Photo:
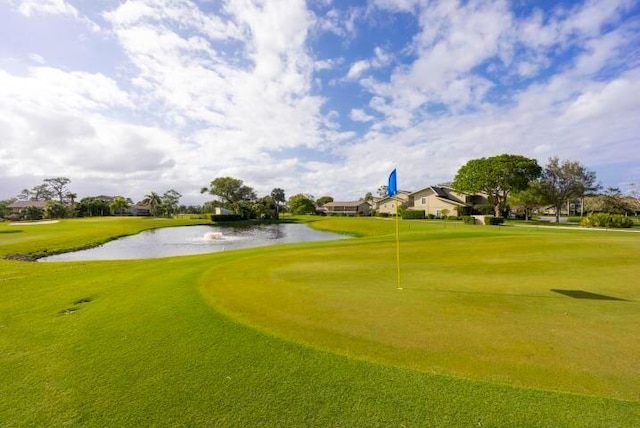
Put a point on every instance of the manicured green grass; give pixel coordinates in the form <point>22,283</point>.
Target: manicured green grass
<point>140,343</point>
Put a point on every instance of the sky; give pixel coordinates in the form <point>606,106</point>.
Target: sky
<point>320,97</point>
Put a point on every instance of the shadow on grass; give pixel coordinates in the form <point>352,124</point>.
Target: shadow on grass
<point>581,294</point>
<point>11,231</point>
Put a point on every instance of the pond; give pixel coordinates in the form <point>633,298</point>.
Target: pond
<point>189,240</point>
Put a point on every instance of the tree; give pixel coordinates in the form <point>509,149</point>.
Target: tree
<point>278,197</point>
<point>24,195</point>
<point>265,208</point>
<point>119,205</point>
<point>154,202</point>
<point>324,200</point>
<point>41,193</point>
<point>55,209</point>
<point>561,181</point>
<point>526,201</point>
<point>382,191</point>
<point>58,186</point>
<point>614,202</point>
<point>301,204</point>
<point>170,200</point>
<point>32,213</point>
<point>497,177</point>
<point>231,191</point>
<point>4,207</point>
<point>368,197</point>
<point>90,207</point>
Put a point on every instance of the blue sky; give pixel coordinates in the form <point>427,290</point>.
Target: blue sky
<point>321,97</point>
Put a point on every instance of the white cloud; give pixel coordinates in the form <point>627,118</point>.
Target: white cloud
<point>45,7</point>
<point>31,8</point>
<point>360,115</point>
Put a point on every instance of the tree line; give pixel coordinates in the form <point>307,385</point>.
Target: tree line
<point>521,182</point>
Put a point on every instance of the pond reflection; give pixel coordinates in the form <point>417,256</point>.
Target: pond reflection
<point>187,240</point>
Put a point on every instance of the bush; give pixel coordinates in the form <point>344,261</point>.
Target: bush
<point>453,217</point>
<point>494,221</point>
<point>226,217</point>
<point>617,221</point>
<point>431,216</point>
<point>413,215</point>
<point>382,215</point>
<point>467,219</point>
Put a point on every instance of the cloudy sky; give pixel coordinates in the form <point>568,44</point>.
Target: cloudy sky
<point>320,97</point>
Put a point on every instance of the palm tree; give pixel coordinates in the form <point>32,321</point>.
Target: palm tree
<point>119,205</point>
<point>153,201</point>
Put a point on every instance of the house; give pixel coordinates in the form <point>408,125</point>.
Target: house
<point>442,200</point>
<point>18,206</point>
<point>347,208</point>
<point>140,210</point>
<point>388,205</point>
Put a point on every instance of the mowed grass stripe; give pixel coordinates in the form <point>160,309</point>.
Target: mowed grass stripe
<point>147,350</point>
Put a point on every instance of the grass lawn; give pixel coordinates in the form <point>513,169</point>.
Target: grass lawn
<point>317,334</point>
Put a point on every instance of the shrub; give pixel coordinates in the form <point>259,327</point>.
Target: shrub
<point>413,215</point>
<point>453,217</point>
<point>431,216</point>
<point>467,219</point>
<point>606,220</point>
<point>494,221</point>
<point>382,214</point>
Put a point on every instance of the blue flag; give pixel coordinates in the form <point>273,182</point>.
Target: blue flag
<point>392,188</point>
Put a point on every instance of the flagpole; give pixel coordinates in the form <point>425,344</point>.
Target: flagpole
<point>397,242</point>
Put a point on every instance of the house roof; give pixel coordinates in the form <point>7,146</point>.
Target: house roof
<point>443,193</point>
<point>27,204</point>
<point>344,204</point>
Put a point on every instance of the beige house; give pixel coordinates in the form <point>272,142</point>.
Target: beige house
<point>388,205</point>
<point>347,208</point>
<point>441,200</point>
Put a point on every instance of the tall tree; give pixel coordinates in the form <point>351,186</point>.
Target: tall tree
<point>231,191</point>
<point>41,193</point>
<point>278,197</point>
<point>561,181</point>
<point>24,195</point>
<point>382,191</point>
<point>324,200</point>
<point>153,201</point>
<point>170,202</point>
<point>497,177</point>
<point>614,202</point>
<point>119,205</point>
<point>58,186</point>
<point>301,204</point>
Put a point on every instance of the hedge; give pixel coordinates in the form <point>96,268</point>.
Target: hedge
<point>413,215</point>
<point>616,221</point>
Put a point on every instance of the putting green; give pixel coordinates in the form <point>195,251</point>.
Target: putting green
<point>477,302</point>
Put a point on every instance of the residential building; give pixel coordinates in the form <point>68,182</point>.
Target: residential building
<point>347,208</point>
<point>442,200</point>
<point>388,205</point>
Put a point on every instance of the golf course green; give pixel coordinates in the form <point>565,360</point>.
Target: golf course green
<point>494,326</point>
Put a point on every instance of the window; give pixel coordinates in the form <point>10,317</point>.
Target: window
<point>423,201</point>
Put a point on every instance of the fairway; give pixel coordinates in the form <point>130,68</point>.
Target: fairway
<point>316,334</point>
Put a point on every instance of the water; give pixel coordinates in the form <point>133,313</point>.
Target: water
<point>188,240</point>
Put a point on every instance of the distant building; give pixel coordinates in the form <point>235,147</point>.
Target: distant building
<point>388,205</point>
<point>18,206</point>
<point>354,208</point>
<point>436,199</point>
